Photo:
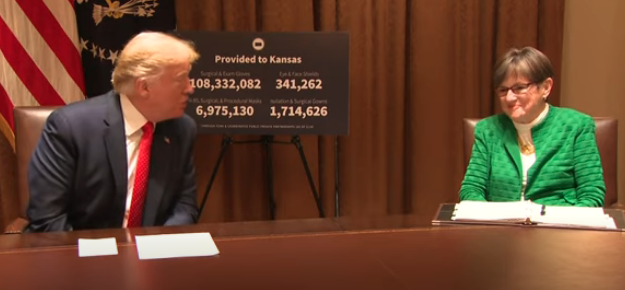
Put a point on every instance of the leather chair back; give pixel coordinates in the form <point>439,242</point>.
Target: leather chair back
<point>28,124</point>
<point>8,183</point>
<point>606,134</point>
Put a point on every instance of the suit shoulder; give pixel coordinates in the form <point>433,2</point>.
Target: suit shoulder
<point>188,121</point>
<point>183,126</point>
<point>493,125</point>
<point>88,108</point>
<point>571,116</point>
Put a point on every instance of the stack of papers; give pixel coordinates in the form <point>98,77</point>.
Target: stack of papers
<point>593,217</point>
<point>529,212</point>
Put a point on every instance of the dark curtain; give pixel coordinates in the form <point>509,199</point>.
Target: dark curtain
<point>417,69</point>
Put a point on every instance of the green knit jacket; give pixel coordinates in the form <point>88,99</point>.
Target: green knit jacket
<point>567,170</point>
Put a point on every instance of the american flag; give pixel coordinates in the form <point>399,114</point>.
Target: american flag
<point>39,55</point>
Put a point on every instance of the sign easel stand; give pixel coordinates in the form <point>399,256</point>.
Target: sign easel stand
<point>266,141</point>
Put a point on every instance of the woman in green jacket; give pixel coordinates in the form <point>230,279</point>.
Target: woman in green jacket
<point>534,151</point>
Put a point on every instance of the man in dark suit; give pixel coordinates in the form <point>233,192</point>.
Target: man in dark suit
<point>123,159</point>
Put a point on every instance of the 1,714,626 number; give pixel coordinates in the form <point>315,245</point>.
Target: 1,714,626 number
<point>298,111</point>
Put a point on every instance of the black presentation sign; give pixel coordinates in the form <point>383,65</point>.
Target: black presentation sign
<point>270,83</point>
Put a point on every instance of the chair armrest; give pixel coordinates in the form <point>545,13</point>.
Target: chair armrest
<point>17,226</point>
<point>617,205</point>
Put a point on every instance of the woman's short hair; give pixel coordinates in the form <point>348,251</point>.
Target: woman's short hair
<point>527,62</point>
<point>146,55</point>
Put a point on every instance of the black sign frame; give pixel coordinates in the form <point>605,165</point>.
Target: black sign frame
<point>270,83</point>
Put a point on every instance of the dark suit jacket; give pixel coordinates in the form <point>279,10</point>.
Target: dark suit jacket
<point>78,174</point>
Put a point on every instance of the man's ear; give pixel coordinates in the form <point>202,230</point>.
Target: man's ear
<point>141,87</point>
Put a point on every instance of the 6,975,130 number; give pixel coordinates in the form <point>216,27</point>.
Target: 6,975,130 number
<point>225,111</point>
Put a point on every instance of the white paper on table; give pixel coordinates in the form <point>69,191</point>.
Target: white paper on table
<point>175,245</point>
<point>97,247</point>
<point>520,211</point>
<point>517,211</point>
<point>593,217</point>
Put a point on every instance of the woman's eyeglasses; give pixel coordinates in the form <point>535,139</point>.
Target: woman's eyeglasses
<point>517,89</point>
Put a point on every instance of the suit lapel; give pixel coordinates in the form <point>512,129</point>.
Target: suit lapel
<point>160,166</point>
<point>115,142</point>
<point>512,146</point>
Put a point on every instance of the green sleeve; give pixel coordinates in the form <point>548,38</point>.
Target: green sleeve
<point>476,178</point>
<point>587,166</point>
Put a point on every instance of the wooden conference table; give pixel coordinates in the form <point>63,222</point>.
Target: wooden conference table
<point>398,252</point>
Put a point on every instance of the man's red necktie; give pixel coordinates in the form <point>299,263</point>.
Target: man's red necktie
<point>142,170</point>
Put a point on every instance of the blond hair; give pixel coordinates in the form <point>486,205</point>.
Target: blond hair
<point>146,55</point>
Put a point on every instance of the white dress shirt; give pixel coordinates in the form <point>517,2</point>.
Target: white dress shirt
<point>133,122</point>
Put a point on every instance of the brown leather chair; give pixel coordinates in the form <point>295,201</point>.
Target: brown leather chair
<point>28,123</point>
<point>607,138</point>
<point>8,183</point>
